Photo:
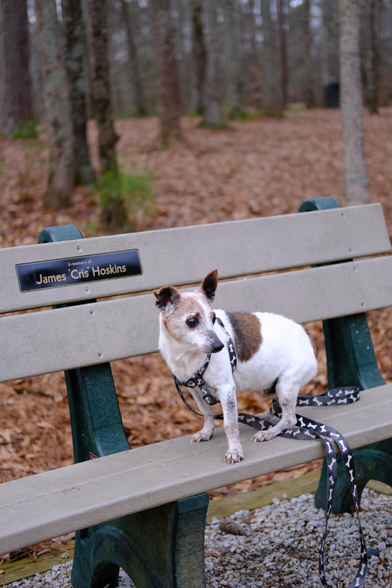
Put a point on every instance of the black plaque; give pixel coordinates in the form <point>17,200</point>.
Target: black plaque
<point>76,270</point>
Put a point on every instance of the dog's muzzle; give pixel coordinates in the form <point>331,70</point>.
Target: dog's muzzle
<point>217,344</point>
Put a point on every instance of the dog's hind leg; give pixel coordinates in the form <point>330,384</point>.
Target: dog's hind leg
<point>266,415</point>
<point>287,393</point>
<point>208,429</point>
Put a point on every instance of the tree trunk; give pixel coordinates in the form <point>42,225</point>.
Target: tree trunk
<point>283,53</point>
<point>233,61</point>
<point>310,99</point>
<point>101,99</point>
<point>357,185</point>
<point>75,55</point>
<point>255,75</point>
<point>372,57</point>
<point>140,101</point>
<point>169,87</point>
<point>180,11</point>
<point>271,99</point>
<point>57,106</point>
<point>16,103</point>
<point>329,40</point>
<point>213,110</point>
<point>199,55</point>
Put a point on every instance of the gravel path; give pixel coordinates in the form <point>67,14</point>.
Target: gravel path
<point>277,547</point>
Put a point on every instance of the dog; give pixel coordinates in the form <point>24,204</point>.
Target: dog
<point>274,356</point>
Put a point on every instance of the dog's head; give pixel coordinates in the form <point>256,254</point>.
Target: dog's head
<point>188,316</point>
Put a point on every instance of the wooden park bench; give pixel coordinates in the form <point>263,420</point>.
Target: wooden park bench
<point>144,509</point>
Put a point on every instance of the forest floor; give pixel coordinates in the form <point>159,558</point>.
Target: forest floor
<point>257,168</point>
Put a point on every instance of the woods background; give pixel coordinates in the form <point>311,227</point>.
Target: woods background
<point>264,53</point>
<point>66,61</point>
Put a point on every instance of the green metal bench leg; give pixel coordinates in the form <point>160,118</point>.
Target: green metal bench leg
<point>160,547</point>
<point>351,361</point>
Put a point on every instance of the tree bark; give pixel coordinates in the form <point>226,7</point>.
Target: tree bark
<point>213,97</point>
<point>329,40</point>
<point>310,98</point>
<point>140,101</point>
<point>169,87</point>
<point>16,102</point>
<point>233,61</point>
<point>101,99</point>
<point>372,58</point>
<point>57,106</point>
<point>255,75</point>
<point>199,55</point>
<point>283,52</point>
<point>75,56</point>
<point>271,99</point>
<point>356,179</point>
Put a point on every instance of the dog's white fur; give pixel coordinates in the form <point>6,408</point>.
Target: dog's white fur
<point>285,357</point>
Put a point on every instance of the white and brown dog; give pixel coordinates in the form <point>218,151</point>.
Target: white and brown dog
<point>272,352</point>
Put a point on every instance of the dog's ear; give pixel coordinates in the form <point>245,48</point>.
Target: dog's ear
<point>210,284</point>
<point>166,295</point>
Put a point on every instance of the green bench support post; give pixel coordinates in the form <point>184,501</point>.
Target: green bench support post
<point>158,548</point>
<point>351,361</point>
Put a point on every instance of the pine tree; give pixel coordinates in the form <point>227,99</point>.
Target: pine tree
<point>75,56</point>
<point>16,103</point>
<point>57,106</point>
<point>169,87</point>
<point>356,179</point>
<point>101,98</point>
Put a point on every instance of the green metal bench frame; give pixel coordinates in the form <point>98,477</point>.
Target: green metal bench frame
<point>164,546</point>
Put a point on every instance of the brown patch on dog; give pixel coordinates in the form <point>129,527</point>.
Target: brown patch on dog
<point>247,334</point>
<point>166,295</point>
<point>190,305</point>
<point>187,305</point>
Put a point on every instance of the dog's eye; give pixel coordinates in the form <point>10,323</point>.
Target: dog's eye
<point>213,318</point>
<point>192,322</point>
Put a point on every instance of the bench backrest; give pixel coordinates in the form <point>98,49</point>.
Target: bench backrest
<point>50,340</point>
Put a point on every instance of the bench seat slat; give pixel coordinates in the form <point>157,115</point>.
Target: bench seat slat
<point>184,255</point>
<point>37,508</point>
<point>53,340</point>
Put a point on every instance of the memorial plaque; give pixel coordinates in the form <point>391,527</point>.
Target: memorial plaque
<point>77,270</point>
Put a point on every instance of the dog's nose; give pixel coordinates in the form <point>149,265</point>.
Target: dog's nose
<point>217,346</point>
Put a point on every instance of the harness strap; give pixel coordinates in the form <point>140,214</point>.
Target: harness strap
<point>197,379</point>
<point>305,429</point>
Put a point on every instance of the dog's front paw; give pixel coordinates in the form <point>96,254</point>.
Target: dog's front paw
<point>202,436</point>
<point>262,436</point>
<point>234,456</point>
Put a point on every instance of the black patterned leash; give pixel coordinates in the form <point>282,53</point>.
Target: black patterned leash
<point>305,429</point>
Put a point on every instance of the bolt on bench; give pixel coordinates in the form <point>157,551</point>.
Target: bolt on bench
<point>144,509</point>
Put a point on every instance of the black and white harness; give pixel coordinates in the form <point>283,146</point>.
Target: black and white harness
<point>305,429</point>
